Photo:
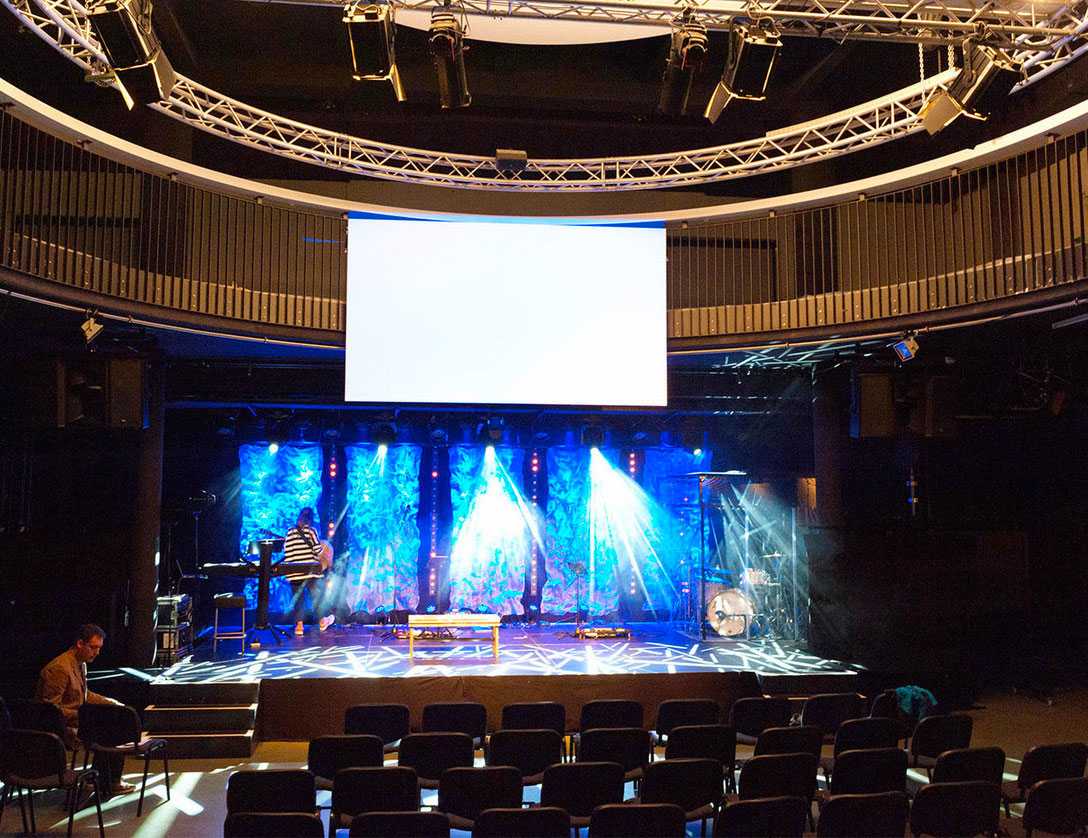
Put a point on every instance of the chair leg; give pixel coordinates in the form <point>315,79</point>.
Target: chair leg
<point>22,809</point>
<point>30,803</point>
<point>98,806</point>
<point>143,785</point>
<point>73,795</point>
<point>166,771</point>
<point>3,801</point>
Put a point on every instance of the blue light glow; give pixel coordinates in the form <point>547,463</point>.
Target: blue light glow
<point>493,530</point>
<point>275,485</point>
<point>382,554</point>
<point>273,447</point>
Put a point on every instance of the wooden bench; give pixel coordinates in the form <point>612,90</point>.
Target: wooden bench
<point>463,620</point>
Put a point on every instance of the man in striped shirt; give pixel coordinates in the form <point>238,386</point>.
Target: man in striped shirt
<point>301,544</point>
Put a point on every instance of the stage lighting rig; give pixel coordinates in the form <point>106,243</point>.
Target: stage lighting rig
<point>688,46</point>
<point>906,349</point>
<point>753,51</point>
<point>371,34</point>
<point>137,61</point>
<point>973,91</point>
<point>446,40</point>
<point>91,329</point>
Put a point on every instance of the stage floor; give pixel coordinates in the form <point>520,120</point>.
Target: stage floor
<point>548,649</point>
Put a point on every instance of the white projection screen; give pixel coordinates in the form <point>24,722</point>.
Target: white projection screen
<point>518,311</point>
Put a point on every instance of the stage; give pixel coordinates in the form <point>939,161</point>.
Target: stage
<point>301,688</point>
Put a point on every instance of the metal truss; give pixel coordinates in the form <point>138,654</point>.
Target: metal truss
<point>64,24</point>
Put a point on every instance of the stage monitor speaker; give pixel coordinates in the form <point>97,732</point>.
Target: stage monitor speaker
<point>872,405</point>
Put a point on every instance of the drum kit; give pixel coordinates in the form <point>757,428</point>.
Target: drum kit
<point>757,606</point>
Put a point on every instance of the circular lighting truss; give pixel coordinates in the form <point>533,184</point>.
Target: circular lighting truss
<point>1040,44</point>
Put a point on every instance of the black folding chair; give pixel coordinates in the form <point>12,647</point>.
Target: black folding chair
<point>961,765</point>
<point>389,722</point>
<point>1059,807</point>
<point>829,710</point>
<point>936,734</point>
<point>695,785</point>
<point>637,820</point>
<point>679,712</point>
<point>266,791</point>
<point>781,816</point>
<point>356,791</point>
<point>400,825</point>
<point>33,760</point>
<point>629,746</point>
<point>465,792</point>
<point>273,825</point>
<point>751,716</point>
<point>115,729</point>
<point>862,734</point>
<point>882,815</point>
<point>1045,762</point>
<point>432,753</point>
<point>706,742</point>
<point>580,787</point>
<point>539,822</point>
<point>26,714</point>
<point>466,717</point>
<point>537,715</point>
<point>329,754</point>
<point>529,751</point>
<point>942,809</point>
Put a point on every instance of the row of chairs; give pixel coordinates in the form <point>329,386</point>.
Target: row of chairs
<point>488,801</point>
<point>33,755</point>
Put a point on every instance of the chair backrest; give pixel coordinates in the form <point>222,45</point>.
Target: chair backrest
<point>867,732</point>
<point>5,716</point>
<point>703,742</point>
<point>273,825</point>
<point>468,791</point>
<point>392,788</point>
<point>288,790</point>
<point>805,739</point>
<point>432,753</point>
<point>1052,762</point>
<point>535,715</point>
<point>629,746</point>
<point>779,775</point>
<point>36,715</point>
<point>541,822</point>
<point>400,825</point>
<point>389,722</point>
<point>886,706</point>
<point>329,754</point>
<point>108,724</point>
<point>936,734</point>
<point>870,771</point>
<point>33,754</point>
<point>829,710</point>
<point>640,820</point>
<point>1058,806</point>
<point>752,716</point>
<point>961,765</point>
<point>610,712</point>
<point>780,816</point>
<point>881,815</point>
<point>529,751</point>
<point>956,809</point>
<point>466,717</point>
<point>689,783</point>
<point>677,712</point>
<point>580,787</point>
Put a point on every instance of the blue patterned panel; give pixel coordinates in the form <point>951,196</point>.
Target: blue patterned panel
<point>567,539</point>
<point>275,485</point>
<point>493,530</point>
<point>382,561</point>
<point>663,471</point>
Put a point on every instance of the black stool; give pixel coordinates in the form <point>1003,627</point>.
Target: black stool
<point>219,602</point>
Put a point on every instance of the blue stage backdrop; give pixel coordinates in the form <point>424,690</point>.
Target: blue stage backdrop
<point>380,568</point>
<point>275,485</point>
<point>567,555</point>
<point>493,530</point>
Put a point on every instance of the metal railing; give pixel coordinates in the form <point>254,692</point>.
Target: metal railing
<point>81,221</point>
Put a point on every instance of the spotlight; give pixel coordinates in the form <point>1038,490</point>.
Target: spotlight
<point>383,433</point>
<point>687,52</point>
<point>123,27</point>
<point>753,50</point>
<point>371,31</point>
<point>971,93</point>
<point>273,447</point>
<point>906,348</point>
<point>698,452</point>
<point>91,328</point>
<point>447,43</point>
<point>593,436</point>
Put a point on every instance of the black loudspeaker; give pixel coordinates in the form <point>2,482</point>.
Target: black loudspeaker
<point>127,394</point>
<point>872,405</point>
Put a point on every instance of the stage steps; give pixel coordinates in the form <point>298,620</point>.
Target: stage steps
<point>203,720</point>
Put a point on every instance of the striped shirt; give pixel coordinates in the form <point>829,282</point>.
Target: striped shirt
<point>301,544</point>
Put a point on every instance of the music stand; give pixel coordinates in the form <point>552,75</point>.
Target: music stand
<point>265,548</point>
<point>579,571</point>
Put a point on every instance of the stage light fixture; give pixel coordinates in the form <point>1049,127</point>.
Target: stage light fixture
<point>753,51</point>
<point>91,328</point>
<point>511,161</point>
<point>383,433</point>
<point>137,60</point>
<point>906,348</point>
<point>687,52</point>
<point>986,77</point>
<point>371,34</point>
<point>446,40</point>
<point>593,436</point>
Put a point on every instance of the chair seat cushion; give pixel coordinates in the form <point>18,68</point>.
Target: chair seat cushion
<point>50,781</point>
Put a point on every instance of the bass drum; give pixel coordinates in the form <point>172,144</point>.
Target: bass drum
<point>730,613</point>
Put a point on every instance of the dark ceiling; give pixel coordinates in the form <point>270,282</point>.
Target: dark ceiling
<point>551,101</point>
